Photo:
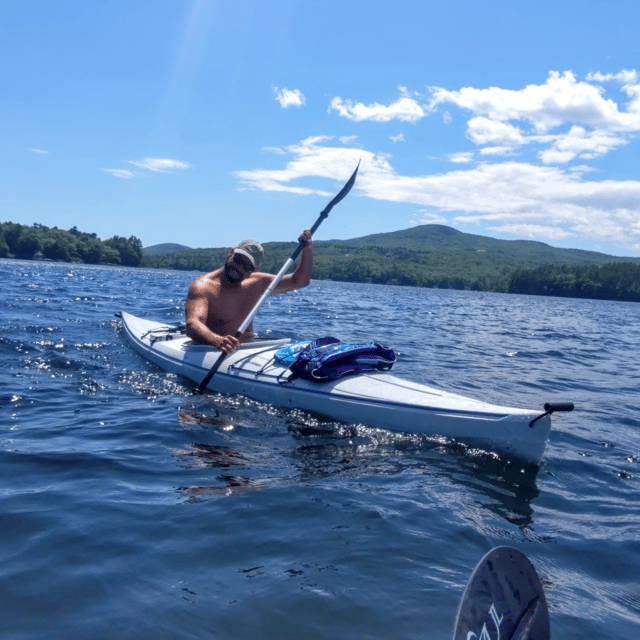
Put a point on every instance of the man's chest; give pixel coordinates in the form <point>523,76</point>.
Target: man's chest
<point>230,307</point>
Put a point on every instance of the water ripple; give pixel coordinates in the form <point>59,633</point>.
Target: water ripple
<point>131,507</point>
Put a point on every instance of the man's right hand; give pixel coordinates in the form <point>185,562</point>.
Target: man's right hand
<point>228,344</point>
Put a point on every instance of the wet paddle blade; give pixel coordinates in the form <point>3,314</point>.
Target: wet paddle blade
<point>503,599</point>
<point>344,190</point>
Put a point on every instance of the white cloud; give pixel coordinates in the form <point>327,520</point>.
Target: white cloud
<point>398,138</point>
<point>150,164</point>
<point>561,99</point>
<point>485,131</point>
<point>406,108</point>
<point>160,164</point>
<point>595,124</point>
<point>40,151</point>
<point>462,157</point>
<point>429,217</point>
<point>288,98</point>
<point>348,139</point>
<point>626,77</point>
<point>533,231</point>
<point>331,163</point>
<point>277,150</point>
<point>510,194</point>
<point>119,173</point>
<point>497,151</point>
<point>562,119</point>
<point>580,143</point>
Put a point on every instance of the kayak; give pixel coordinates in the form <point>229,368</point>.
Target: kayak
<point>376,399</point>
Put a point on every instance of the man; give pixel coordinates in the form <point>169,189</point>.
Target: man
<point>219,301</point>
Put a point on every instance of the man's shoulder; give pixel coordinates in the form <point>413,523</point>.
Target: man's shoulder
<point>258,278</point>
<point>261,275</point>
<point>205,282</point>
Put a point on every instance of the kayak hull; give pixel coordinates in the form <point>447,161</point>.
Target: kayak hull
<point>377,399</point>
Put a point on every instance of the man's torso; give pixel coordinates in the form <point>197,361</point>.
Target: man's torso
<point>229,306</point>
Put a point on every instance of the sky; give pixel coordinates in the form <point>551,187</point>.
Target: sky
<point>203,122</point>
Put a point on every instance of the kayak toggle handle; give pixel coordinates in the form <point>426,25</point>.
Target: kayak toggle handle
<point>551,407</point>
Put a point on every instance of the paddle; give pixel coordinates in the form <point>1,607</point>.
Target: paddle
<point>503,600</point>
<point>274,283</point>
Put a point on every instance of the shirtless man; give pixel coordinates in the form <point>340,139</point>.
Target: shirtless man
<point>219,301</point>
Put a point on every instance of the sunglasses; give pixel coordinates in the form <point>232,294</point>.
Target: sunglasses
<point>243,263</point>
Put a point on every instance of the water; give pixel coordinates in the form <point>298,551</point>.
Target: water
<point>130,509</point>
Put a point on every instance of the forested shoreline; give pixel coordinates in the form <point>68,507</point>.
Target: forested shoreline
<point>462,269</point>
<point>446,269</point>
<point>39,242</point>
<point>612,281</point>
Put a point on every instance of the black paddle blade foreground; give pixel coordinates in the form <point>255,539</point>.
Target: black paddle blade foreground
<point>503,600</point>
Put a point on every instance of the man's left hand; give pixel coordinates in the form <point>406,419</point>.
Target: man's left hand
<point>305,238</point>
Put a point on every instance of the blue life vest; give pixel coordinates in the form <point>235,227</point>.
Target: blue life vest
<point>327,359</point>
<point>290,352</point>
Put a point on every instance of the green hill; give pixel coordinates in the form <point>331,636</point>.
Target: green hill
<point>433,237</point>
<point>424,256</point>
<point>167,247</point>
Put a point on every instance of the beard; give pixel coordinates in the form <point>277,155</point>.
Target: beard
<point>232,273</point>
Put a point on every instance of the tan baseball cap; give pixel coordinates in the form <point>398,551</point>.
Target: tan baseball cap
<point>252,249</point>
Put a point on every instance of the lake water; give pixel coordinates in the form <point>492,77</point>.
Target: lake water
<point>130,509</point>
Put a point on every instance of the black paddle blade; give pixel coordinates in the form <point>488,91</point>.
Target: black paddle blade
<point>503,599</point>
<point>343,192</point>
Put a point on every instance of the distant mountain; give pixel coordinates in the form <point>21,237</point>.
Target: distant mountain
<point>167,247</point>
<point>434,237</point>
<point>429,256</point>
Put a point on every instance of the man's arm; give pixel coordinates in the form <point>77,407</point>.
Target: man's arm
<point>197,309</point>
<point>302,275</point>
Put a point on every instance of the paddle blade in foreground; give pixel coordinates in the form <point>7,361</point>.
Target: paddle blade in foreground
<point>503,600</point>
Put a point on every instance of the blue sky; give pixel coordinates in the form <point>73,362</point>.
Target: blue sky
<point>203,122</point>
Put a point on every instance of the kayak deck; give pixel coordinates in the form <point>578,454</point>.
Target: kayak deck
<point>376,399</point>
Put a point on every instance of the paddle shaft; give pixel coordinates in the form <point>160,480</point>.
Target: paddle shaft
<point>274,283</point>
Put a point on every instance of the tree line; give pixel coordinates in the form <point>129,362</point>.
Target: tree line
<point>610,281</point>
<point>44,243</point>
<point>446,269</point>
<point>467,268</point>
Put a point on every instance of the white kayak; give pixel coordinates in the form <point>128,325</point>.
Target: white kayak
<point>376,399</point>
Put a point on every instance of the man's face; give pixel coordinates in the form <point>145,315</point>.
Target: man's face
<point>237,267</point>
